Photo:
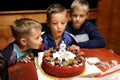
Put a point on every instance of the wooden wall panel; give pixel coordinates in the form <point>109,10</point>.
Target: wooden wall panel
<point>104,21</point>
<point>114,39</point>
<point>109,23</point>
<point>5,36</point>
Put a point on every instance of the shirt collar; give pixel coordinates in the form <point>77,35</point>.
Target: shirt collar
<point>19,53</point>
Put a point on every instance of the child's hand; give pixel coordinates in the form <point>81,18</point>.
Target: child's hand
<point>27,58</point>
<point>76,47</point>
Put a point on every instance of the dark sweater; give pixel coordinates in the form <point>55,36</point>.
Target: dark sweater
<point>91,37</point>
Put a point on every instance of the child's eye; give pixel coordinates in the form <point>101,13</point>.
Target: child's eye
<point>37,37</point>
<point>74,15</point>
<point>82,15</point>
<point>63,22</point>
<point>54,23</point>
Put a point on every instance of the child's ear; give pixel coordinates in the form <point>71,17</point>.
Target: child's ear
<point>23,41</point>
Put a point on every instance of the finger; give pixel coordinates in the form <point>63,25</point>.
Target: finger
<point>31,56</point>
<point>25,60</point>
<point>28,57</point>
<point>21,60</point>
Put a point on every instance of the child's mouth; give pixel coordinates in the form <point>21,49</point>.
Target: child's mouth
<point>59,32</point>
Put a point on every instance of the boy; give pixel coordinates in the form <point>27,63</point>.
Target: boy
<point>27,34</point>
<point>85,32</point>
<point>56,21</point>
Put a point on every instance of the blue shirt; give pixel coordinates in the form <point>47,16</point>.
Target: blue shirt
<point>19,53</point>
<point>87,35</point>
<point>50,42</point>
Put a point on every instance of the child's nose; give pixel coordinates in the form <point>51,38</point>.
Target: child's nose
<point>59,26</point>
<point>78,18</point>
<point>41,39</point>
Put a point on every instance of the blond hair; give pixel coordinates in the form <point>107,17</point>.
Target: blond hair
<point>21,27</point>
<point>55,8</point>
<point>81,4</point>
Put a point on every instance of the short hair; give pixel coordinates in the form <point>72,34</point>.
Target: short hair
<point>81,4</point>
<point>21,27</point>
<point>55,8</point>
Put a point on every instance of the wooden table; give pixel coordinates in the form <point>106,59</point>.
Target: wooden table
<point>23,71</point>
<point>103,54</point>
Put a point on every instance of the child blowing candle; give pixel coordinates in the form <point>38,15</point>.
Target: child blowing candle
<point>56,21</point>
<point>27,34</point>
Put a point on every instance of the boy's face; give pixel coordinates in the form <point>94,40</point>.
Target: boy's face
<point>34,39</point>
<point>57,24</point>
<point>78,17</point>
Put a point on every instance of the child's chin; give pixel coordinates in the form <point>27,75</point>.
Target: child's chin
<point>59,34</point>
<point>36,47</point>
<point>77,26</point>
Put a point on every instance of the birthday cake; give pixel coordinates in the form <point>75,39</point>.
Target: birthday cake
<point>63,62</point>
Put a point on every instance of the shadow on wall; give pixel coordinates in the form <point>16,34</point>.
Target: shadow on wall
<point>12,5</point>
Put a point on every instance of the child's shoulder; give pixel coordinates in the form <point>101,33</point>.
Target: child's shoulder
<point>7,51</point>
<point>45,33</point>
<point>89,23</point>
<point>8,48</point>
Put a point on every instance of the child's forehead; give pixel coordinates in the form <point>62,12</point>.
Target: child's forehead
<point>79,9</point>
<point>58,16</point>
<point>61,15</point>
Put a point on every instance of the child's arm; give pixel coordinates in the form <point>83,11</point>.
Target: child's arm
<point>96,40</point>
<point>2,62</point>
<point>3,68</point>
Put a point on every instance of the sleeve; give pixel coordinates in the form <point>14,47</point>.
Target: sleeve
<point>2,62</point>
<point>95,38</point>
<point>3,68</point>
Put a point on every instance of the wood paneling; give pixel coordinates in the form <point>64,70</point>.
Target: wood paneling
<point>104,21</point>
<point>5,36</point>
<point>109,23</point>
<point>114,39</point>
